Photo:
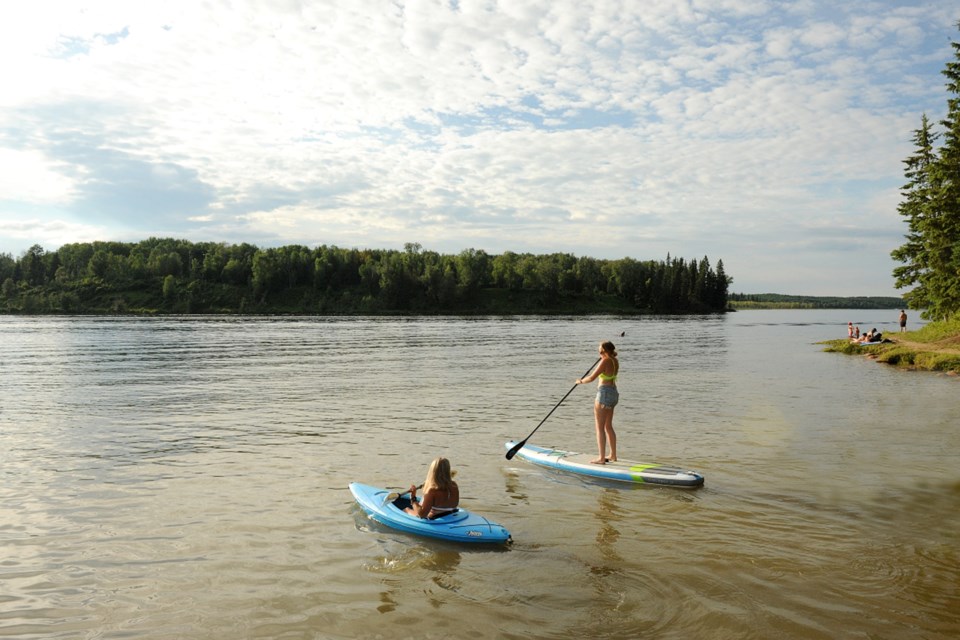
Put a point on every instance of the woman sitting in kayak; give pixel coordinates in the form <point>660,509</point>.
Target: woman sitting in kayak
<point>441,495</point>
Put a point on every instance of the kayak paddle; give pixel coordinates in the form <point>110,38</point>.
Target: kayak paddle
<point>393,496</point>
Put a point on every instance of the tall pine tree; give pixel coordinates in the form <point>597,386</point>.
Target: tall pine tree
<point>917,209</point>
<point>932,209</point>
<point>946,174</point>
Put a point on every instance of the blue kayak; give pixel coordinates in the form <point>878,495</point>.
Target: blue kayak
<point>459,526</point>
<point>622,470</point>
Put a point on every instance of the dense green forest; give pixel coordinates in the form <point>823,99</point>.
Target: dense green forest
<point>931,208</point>
<point>164,275</point>
<point>779,301</point>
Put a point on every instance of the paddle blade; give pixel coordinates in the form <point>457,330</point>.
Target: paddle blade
<point>515,448</point>
<point>391,497</point>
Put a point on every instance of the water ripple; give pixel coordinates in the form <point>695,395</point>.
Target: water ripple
<point>187,477</point>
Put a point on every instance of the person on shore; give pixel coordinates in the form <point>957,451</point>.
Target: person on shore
<point>903,321</point>
<point>441,495</point>
<point>607,398</point>
<point>850,330</point>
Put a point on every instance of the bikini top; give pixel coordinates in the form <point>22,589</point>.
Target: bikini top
<point>443,509</point>
<point>610,378</point>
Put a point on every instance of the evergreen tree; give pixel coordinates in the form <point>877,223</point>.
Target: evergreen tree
<point>916,208</point>
<point>722,287</point>
<point>945,241</point>
<point>932,209</point>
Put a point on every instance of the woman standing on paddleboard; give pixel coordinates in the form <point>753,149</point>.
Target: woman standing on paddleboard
<point>607,398</point>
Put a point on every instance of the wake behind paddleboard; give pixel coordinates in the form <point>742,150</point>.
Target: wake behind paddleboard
<point>621,470</point>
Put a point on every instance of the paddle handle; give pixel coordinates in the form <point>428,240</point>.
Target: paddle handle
<point>519,445</point>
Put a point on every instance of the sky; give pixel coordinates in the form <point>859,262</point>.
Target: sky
<point>769,135</point>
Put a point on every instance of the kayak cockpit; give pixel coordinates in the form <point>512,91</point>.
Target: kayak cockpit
<point>401,503</point>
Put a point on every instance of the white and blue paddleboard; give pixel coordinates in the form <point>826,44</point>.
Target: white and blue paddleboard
<point>621,470</point>
<point>460,526</point>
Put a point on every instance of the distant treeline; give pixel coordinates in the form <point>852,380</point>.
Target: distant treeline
<point>164,275</point>
<point>779,301</point>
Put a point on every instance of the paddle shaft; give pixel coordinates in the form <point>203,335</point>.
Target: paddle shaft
<point>519,445</point>
<point>393,496</point>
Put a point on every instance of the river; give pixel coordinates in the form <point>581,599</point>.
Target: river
<point>186,477</point>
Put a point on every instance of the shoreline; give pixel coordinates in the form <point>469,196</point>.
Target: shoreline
<point>942,356</point>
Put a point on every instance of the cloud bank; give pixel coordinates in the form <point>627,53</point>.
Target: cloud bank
<point>769,135</point>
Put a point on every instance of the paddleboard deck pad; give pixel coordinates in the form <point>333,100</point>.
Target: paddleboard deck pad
<point>460,526</point>
<point>621,470</point>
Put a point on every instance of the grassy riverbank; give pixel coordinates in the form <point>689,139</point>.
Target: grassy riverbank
<point>744,301</point>
<point>935,347</point>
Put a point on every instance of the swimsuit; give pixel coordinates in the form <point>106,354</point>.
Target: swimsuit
<point>607,394</point>
<point>439,512</point>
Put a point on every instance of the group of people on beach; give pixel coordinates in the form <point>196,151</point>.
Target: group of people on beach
<point>441,495</point>
<point>853,332</point>
<point>867,336</point>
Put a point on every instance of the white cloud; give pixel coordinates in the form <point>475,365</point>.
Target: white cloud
<point>674,125</point>
<point>31,178</point>
<point>50,234</point>
<point>822,34</point>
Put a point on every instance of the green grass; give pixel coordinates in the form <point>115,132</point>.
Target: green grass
<point>935,337</point>
<point>948,332</point>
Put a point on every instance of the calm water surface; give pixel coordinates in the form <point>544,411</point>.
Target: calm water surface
<point>187,478</point>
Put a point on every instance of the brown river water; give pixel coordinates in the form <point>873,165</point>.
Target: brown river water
<point>186,477</point>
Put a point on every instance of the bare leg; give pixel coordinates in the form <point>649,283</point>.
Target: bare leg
<point>610,433</point>
<point>601,434</point>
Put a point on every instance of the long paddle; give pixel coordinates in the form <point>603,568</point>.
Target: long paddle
<point>519,445</point>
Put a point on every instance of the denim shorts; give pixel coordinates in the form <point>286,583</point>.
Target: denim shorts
<point>607,396</point>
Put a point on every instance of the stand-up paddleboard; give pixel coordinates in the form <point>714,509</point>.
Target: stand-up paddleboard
<point>621,470</point>
<point>459,526</point>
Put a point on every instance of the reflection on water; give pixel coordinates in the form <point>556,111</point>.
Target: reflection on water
<point>187,477</point>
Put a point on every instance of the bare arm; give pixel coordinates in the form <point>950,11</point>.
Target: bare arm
<point>422,509</point>
<point>605,366</point>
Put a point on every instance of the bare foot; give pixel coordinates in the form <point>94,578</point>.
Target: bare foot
<point>613,459</point>
<point>601,461</point>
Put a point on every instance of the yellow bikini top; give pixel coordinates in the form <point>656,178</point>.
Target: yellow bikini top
<point>610,378</point>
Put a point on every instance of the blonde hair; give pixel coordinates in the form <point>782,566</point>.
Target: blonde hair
<point>609,349</point>
<point>439,475</point>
